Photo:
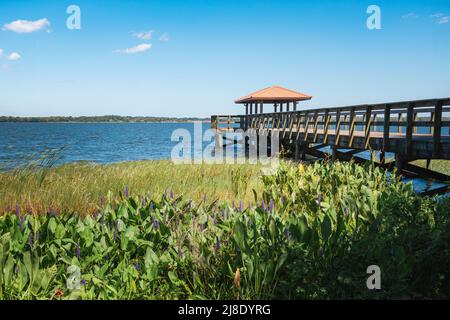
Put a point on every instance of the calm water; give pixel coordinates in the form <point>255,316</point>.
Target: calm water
<point>95,142</point>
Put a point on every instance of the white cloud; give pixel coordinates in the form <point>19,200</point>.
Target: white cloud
<point>143,35</point>
<point>164,37</point>
<point>443,20</point>
<point>14,56</point>
<point>440,18</point>
<point>139,48</point>
<point>1,53</point>
<point>410,15</point>
<point>25,26</point>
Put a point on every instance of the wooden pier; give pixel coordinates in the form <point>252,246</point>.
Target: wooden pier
<point>407,130</point>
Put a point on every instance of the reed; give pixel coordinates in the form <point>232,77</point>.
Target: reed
<point>79,187</point>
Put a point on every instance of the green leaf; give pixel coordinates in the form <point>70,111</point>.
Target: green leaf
<point>150,257</point>
<point>281,261</point>
<point>240,236</point>
<point>28,263</point>
<point>173,277</point>
<point>326,228</point>
<point>60,231</point>
<point>8,270</point>
<point>52,225</point>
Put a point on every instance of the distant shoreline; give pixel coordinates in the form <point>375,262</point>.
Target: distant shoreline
<point>100,119</point>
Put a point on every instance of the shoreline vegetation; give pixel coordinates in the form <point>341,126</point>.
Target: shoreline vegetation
<point>101,119</point>
<point>309,231</point>
<point>78,187</point>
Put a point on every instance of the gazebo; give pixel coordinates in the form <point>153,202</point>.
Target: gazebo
<point>276,95</point>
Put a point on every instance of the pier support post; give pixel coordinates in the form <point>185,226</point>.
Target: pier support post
<point>297,150</point>
<point>399,162</point>
<point>257,144</point>
<point>334,154</point>
<point>382,157</point>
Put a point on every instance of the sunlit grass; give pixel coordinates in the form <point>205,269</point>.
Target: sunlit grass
<point>79,187</point>
<point>442,166</point>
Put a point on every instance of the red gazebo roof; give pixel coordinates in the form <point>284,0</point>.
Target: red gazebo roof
<point>274,94</point>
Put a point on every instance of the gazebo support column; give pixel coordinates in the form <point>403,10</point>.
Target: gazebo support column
<point>254,106</point>
<point>246,117</point>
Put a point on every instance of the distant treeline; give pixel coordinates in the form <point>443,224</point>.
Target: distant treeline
<point>111,118</point>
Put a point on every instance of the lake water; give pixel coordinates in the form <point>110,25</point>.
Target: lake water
<point>95,142</point>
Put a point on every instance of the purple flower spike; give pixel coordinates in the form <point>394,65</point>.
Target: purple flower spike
<point>175,206</point>
<point>137,266</point>
<point>78,251</point>
<point>288,235</point>
<point>102,219</point>
<point>240,206</point>
<point>345,212</point>
<point>127,193</point>
<point>171,194</point>
<point>102,201</point>
<point>263,206</point>
<point>282,199</point>
<point>83,282</point>
<point>116,229</point>
<point>17,210</point>
<point>271,204</point>
<point>30,240</point>
<point>217,244</point>
<point>214,218</point>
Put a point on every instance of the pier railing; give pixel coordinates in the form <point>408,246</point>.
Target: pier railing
<point>417,129</point>
<point>228,122</point>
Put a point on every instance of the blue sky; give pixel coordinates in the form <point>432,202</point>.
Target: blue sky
<point>215,52</point>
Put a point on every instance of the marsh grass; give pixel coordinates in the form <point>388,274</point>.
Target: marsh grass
<point>79,187</point>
